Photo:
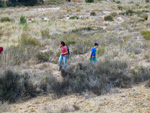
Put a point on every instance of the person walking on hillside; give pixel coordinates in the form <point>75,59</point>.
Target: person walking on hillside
<point>93,57</point>
<point>1,50</point>
<point>63,56</point>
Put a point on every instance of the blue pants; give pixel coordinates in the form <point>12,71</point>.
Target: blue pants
<point>63,58</point>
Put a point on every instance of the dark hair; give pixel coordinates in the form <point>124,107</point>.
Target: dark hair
<point>63,43</point>
<point>96,44</point>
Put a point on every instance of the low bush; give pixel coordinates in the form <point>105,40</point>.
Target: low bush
<point>23,20</point>
<point>27,39</point>
<point>140,75</point>
<point>83,77</point>
<point>44,57</point>
<point>45,33</point>
<point>92,13</point>
<point>108,18</point>
<point>89,1</point>
<point>120,7</point>
<point>5,19</point>
<point>14,87</point>
<point>146,35</point>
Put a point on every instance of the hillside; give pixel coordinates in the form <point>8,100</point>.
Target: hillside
<point>31,36</point>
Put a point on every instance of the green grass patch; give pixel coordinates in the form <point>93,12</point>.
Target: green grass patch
<point>146,35</point>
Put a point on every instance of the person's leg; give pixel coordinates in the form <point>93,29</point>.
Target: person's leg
<point>65,61</point>
<point>60,61</point>
<point>96,61</point>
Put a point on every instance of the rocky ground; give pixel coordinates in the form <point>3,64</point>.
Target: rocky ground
<point>132,100</point>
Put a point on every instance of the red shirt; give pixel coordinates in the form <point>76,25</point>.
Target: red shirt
<point>1,50</point>
<point>64,50</point>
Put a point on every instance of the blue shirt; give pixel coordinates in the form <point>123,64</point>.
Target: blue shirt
<point>93,50</point>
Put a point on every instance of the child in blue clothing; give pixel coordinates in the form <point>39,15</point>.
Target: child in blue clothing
<point>93,54</point>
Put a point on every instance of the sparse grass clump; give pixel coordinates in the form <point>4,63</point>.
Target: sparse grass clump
<point>108,18</point>
<point>146,35</point>
<point>23,20</point>
<point>5,19</point>
<point>27,39</point>
<point>125,38</point>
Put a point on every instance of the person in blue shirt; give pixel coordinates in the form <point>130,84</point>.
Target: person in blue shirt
<point>93,54</point>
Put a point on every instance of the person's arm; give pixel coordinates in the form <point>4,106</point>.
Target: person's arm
<point>90,55</point>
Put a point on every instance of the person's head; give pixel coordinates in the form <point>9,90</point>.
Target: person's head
<point>62,43</point>
<point>96,45</point>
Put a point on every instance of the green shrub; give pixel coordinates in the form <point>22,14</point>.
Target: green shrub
<point>120,7</point>
<point>131,2</point>
<point>5,19</point>
<point>14,87</point>
<point>108,18</point>
<point>2,4</point>
<point>23,20</point>
<point>89,1</point>
<point>45,33</point>
<point>27,39</point>
<point>147,1</point>
<point>146,35</point>
<point>129,12</point>
<point>74,17</point>
<point>118,2</point>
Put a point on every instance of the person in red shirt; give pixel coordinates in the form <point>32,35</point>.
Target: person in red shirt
<point>63,56</point>
<point>1,50</point>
